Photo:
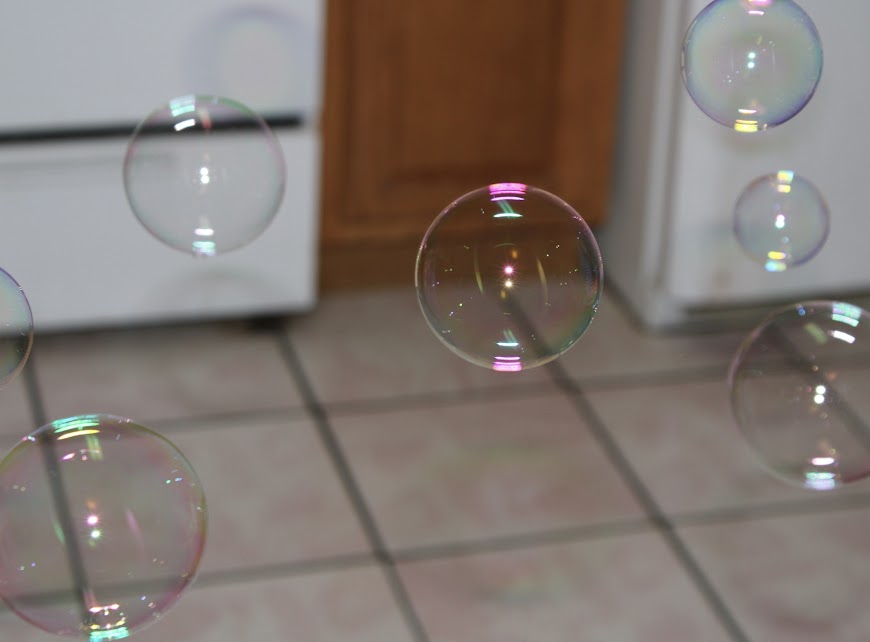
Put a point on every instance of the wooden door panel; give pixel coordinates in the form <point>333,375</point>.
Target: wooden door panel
<point>428,99</point>
<point>484,82</point>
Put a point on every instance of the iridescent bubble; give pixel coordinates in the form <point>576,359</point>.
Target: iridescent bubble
<point>781,220</point>
<point>799,393</point>
<point>102,526</point>
<point>752,64</point>
<point>16,328</point>
<point>509,276</point>
<point>204,174</point>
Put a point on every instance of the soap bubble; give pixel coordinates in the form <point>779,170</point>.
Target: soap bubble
<point>752,64</point>
<point>781,220</point>
<point>16,328</point>
<point>799,393</point>
<point>102,526</point>
<point>204,174</point>
<point>509,276</point>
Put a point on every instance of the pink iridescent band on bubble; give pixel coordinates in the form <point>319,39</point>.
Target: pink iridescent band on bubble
<point>507,364</point>
<point>499,189</point>
<point>755,7</point>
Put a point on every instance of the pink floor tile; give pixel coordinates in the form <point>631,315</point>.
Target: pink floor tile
<point>800,578</point>
<point>683,442</point>
<point>623,589</point>
<point>377,345</point>
<point>517,462</point>
<point>164,373</point>
<point>481,469</point>
<point>352,605</point>
<point>614,346</point>
<point>272,495</point>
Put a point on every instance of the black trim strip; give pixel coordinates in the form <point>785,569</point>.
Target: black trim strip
<point>119,130</point>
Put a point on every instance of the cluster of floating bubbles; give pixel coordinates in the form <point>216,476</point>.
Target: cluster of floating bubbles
<point>509,277</point>
<point>103,521</point>
<point>752,64</point>
<point>102,527</point>
<point>798,382</point>
<point>204,174</point>
<point>781,220</point>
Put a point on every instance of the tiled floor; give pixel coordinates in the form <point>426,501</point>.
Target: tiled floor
<point>365,484</point>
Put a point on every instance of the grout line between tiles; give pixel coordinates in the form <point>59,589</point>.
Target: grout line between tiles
<point>644,497</point>
<point>583,533</point>
<point>525,540</point>
<point>354,493</point>
<point>621,528</point>
<point>472,395</point>
<point>34,396</point>
<point>59,498</point>
<point>496,544</point>
<point>438,399</point>
<point>283,570</point>
<point>774,510</point>
<point>218,421</point>
<point>574,387</point>
<point>657,378</point>
<point>229,577</point>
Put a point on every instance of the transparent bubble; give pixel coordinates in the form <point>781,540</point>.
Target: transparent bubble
<point>509,276</point>
<point>752,64</point>
<point>205,175</point>
<point>781,220</point>
<point>16,328</point>
<point>102,526</point>
<point>799,393</point>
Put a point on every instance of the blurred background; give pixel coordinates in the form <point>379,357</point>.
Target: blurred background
<point>364,483</point>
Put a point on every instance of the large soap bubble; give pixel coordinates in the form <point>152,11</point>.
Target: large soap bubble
<point>102,527</point>
<point>799,393</point>
<point>204,174</point>
<point>781,220</point>
<point>752,64</point>
<point>509,276</point>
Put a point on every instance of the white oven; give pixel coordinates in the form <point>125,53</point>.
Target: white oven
<point>77,78</point>
<point>669,242</point>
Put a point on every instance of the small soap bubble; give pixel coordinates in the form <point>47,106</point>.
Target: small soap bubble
<point>16,328</point>
<point>102,527</point>
<point>204,174</point>
<point>799,393</point>
<point>752,64</point>
<point>509,277</point>
<point>781,220</point>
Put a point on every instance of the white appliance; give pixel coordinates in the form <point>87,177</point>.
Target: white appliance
<point>668,243</point>
<point>77,78</point>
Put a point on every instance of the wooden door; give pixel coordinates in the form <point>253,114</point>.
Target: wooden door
<point>429,99</point>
